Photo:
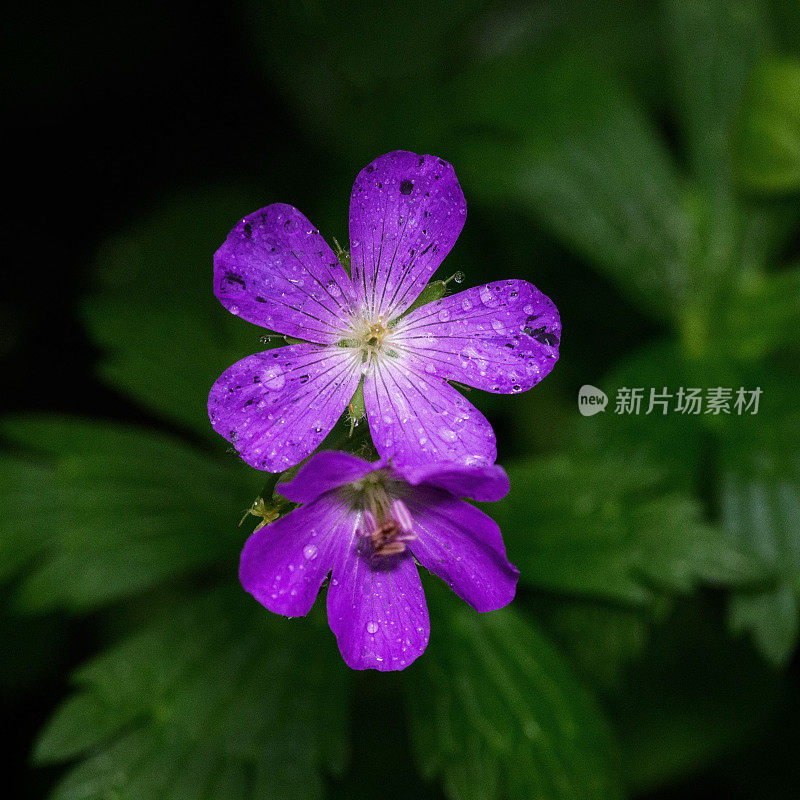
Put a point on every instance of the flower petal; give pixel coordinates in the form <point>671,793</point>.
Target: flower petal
<point>406,212</point>
<point>377,609</point>
<point>462,546</point>
<point>326,470</point>
<point>500,337</point>
<point>416,418</point>
<point>487,483</point>
<point>276,271</point>
<point>277,407</point>
<point>284,564</point>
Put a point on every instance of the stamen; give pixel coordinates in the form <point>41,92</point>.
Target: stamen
<point>389,536</point>
<point>368,523</point>
<point>403,516</point>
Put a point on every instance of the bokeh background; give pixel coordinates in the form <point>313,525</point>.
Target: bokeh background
<point>640,163</point>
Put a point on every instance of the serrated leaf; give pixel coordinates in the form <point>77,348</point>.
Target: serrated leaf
<point>610,526</point>
<point>215,699</point>
<point>113,510</point>
<point>569,144</point>
<point>152,309</point>
<point>763,513</point>
<point>495,712</point>
<point>767,142</point>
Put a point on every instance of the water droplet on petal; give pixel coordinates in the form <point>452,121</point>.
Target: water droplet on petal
<point>447,435</point>
<point>273,377</point>
<point>372,627</point>
<point>310,551</point>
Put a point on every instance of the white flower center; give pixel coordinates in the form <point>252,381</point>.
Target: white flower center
<point>371,340</point>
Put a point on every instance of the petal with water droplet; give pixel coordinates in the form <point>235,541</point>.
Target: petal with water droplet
<point>276,271</point>
<point>377,609</point>
<point>463,546</point>
<point>502,337</point>
<point>416,418</point>
<point>392,261</point>
<point>284,564</point>
<point>277,407</point>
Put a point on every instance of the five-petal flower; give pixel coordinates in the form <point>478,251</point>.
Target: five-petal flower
<point>368,525</point>
<point>275,270</point>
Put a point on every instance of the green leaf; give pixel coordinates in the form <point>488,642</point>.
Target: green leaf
<point>215,699</point>
<point>767,143</point>
<point>764,513</point>
<point>495,712</point>
<point>356,67</point>
<point>114,511</point>
<point>600,639</point>
<point>764,316</point>
<point>611,526</point>
<point>152,309</point>
<point>760,509</point>
<point>28,510</point>
<point>574,148</point>
<point>715,45</point>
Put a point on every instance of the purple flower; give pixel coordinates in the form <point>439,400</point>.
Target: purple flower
<point>275,270</point>
<point>369,524</point>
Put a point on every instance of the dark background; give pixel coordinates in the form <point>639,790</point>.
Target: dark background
<point>111,108</point>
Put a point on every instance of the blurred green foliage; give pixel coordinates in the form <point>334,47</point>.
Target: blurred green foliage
<point>654,145</point>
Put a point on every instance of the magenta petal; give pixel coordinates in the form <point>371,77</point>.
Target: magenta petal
<point>284,564</point>
<point>416,418</point>
<point>488,483</point>
<point>326,470</point>
<point>377,610</point>
<point>462,546</point>
<point>500,337</point>
<point>276,271</point>
<point>277,407</point>
<point>406,212</point>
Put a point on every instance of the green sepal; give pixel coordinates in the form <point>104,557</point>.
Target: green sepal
<point>343,256</point>
<point>433,291</point>
<point>356,406</point>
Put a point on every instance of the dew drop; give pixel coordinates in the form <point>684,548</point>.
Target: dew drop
<point>372,627</point>
<point>310,551</point>
<point>444,315</point>
<point>459,277</point>
<point>447,435</point>
<point>273,377</point>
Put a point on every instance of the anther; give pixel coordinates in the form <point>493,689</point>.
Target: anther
<point>403,516</point>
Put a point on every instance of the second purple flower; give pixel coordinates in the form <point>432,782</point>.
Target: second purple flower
<point>275,270</point>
